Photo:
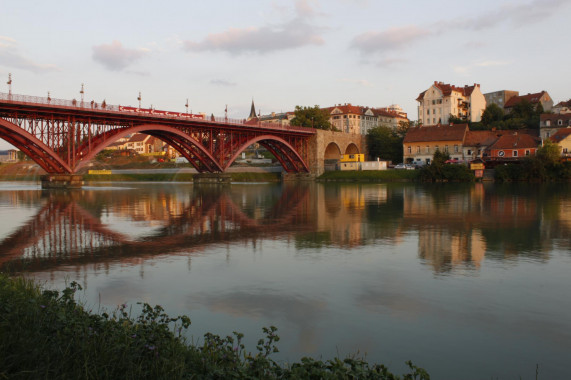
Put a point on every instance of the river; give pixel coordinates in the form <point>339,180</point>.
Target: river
<point>468,281</point>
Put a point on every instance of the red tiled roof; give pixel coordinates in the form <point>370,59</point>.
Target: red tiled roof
<point>480,138</point>
<point>385,113</point>
<point>532,98</point>
<point>138,137</point>
<point>436,133</point>
<point>348,108</point>
<point>564,104</point>
<point>553,117</point>
<point>448,88</point>
<point>515,141</point>
<point>561,134</point>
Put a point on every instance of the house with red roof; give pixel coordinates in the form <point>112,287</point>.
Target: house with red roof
<point>513,145</point>
<point>563,138</point>
<point>352,119</point>
<point>562,107</point>
<point>550,123</point>
<point>542,98</point>
<point>420,143</point>
<point>441,100</point>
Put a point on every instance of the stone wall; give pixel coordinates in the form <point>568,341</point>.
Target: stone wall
<point>346,143</point>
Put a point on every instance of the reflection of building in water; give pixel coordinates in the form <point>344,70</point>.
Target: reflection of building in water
<point>341,211</point>
<point>444,250</point>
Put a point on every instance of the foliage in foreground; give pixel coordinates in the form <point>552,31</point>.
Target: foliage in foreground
<point>438,170</point>
<point>47,334</point>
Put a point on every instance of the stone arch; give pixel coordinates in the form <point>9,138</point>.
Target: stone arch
<point>352,149</point>
<point>331,156</point>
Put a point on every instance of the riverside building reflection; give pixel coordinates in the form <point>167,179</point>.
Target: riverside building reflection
<point>339,268</point>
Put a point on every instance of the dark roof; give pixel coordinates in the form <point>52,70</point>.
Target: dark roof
<point>561,134</point>
<point>436,133</point>
<point>555,116</point>
<point>515,141</point>
<point>252,110</point>
<point>564,104</point>
<point>348,108</point>
<point>532,98</point>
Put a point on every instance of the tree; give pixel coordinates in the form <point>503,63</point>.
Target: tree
<point>455,120</point>
<point>311,117</point>
<point>492,113</point>
<point>549,153</point>
<point>385,143</point>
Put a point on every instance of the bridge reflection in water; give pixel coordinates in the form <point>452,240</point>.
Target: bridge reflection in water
<point>456,229</point>
<point>338,268</point>
<point>68,227</point>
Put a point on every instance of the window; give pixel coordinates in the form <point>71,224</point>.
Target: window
<point>418,149</point>
<point>427,149</point>
<point>559,122</point>
<point>446,148</point>
<point>409,150</point>
<point>547,123</point>
<point>514,153</point>
<point>455,148</point>
<point>469,152</point>
<point>428,111</point>
<point>436,147</point>
<point>527,152</point>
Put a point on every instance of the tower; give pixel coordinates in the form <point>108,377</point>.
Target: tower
<point>252,111</point>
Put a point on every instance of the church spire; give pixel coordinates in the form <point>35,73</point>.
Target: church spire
<point>252,111</point>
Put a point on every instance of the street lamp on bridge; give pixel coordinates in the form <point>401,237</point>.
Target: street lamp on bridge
<point>139,99</point>
<point>82,92</point>
<point>9,83</point>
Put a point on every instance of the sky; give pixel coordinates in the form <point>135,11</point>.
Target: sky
<point>281,53</point>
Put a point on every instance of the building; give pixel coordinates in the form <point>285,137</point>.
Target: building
<point>476,143</point>
<point>563,138</point>
<point>352,119</point>
<point>500,98</point>
<point>542,98</point>
<point>550,123</point>
<point>389,118</point>
<point>441,100</point>
<point>513,145</point>
<point>282,118</point>
<point>562,107</point>
<point>420,143</point>
<point>10,155</point>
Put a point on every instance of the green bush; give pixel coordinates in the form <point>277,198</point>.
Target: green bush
<point>47,334</point>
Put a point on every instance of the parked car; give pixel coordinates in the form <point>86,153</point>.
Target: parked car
<point>404,167</point>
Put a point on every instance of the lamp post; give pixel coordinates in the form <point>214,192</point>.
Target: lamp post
<point>139,99</point>
<point>9,83</point>
<point>186,105</point>
<point>82,92</point>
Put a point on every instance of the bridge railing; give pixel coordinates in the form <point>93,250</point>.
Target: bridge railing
<point>104,107</point>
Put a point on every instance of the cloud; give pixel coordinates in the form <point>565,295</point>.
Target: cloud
<point>115,57</point>
<point>11,57</point>
<point>390,39</point>
<point>517,15</point>
<point>222,82</point>
<point>266,39</point>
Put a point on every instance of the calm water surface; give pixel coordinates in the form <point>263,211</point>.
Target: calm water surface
<point>467,281</point>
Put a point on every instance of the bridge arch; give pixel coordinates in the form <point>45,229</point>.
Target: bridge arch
<point>352,149</point>
<point>32,147</point>
<point>191,149</point>
<point>284,152</point>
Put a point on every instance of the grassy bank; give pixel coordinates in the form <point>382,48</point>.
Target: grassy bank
<point>370,176</point>
<point>47,334</point>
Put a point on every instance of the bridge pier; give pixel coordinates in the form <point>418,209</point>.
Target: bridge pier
<point>221,178</point>
<point>61,181</point>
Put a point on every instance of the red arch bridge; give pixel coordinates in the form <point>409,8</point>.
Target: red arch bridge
<point>62,136</point>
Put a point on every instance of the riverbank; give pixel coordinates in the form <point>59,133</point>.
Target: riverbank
<point>370,176</point>
<point>48,334</point>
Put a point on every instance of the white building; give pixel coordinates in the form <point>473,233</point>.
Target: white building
<point>441,100</point>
